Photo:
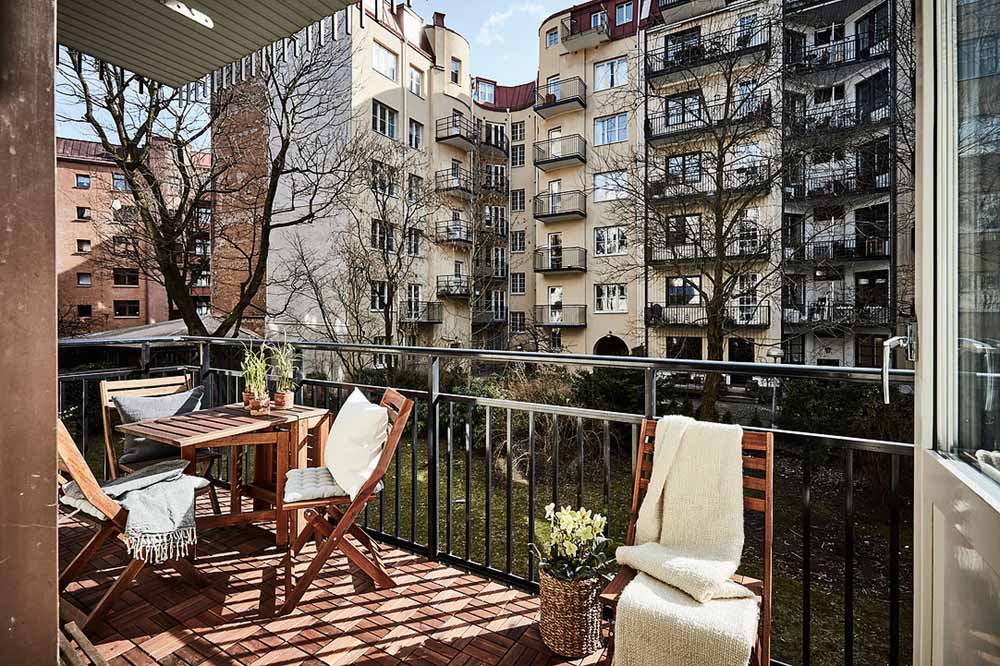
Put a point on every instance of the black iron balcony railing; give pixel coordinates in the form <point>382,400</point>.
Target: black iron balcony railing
<point>490,271</point>
<point>521,455</point>
<point>489,315</point>
<point>747,247</point>
<point>455,180</point>
<point>840,249</point>
<point>753,315</point>
<point>561,151</point>
<point>458,131</point>
<point>700,50</point>
<point>565,205</point>
<point>837,117</point>
<point>497,230</point>
<point>493,182</point>
<point>495,140</point>
<point>748,177</point>
<point>854,49</point>
<point>836,184</point>
<point>454,286</point>
<point>561,315</point>
<point>688,120</point>
<point>421,312</point>
<point>840,313</point>
<point>570,92</point>
<point>453,231</point>
<point>584,31</point>
<point>559,258</point>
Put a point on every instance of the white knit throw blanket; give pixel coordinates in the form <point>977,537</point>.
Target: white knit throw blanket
<point>160,500</point>
<point>682,609</point>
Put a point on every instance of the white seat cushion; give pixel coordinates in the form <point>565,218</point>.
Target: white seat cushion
<point>313,483</point>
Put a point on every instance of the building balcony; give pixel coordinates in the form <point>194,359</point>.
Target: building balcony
<point>831,315</point>
<point>561,316</point>
<point>491,182</point>
<point>752,179</point>
<point>559,97</point>
<point>458,131</point>
<point>757,315</point>
<point>836,184</point>
<point>454,286</point>
<point>560,206</point>
<point>560,259</point>
<point>836,118</point>
<point>754,246</point>
<point>674,124</point>
<point>577,33</point>
<point>489,315</point>
<point>841,250</point>
<point>495,144</point>
<point>421,312</point>
<point>490,271</point>
<point>454,231</point>
<point>561,152</point>
<point>456,182</point>
<point>852,50</point>
<point>676,62</point>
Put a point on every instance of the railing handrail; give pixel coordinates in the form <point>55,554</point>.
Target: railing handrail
<point>466,126</point>
<point>712,45</point>
<point>570,87</point>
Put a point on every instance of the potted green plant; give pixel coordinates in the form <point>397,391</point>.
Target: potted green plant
<point>255,367</point>
<point>570,580</point>
<point>284,357</point>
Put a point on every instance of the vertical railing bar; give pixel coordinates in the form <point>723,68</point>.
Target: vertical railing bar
<point>634,444</point>
<point>849,561</point>
<point>433,456</point>
<point>413,475</point>
<point>607,476</point>
<point>510,495</point>
<point>396,507</point>
<point>487,531</point>
<point>806,551</point>
<point>448,491</point>
<point>555,460</point>
<point>468,483</point>
<point>531,493</point>
<point>83,417</point>
<point>579,462</point>
<point>894,562</point>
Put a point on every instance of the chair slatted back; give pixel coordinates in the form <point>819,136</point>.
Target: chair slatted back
<point>150,388</point>
<point>72,462</point>
<point>758,483</point>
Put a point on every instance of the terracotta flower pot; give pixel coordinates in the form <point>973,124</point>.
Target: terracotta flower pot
<point>570,617</point>
<point>247,397</point>
<point>260,405</point>
<point>284,399</point>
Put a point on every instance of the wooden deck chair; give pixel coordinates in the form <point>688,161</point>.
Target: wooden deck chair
<point>111,523</point>
<point>758,449</point>
<point>331,519</point>
<point>151,388</point>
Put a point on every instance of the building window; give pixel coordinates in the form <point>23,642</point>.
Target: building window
<point>383,236</point>
<point>610,298</point>
<point>416,134</point>
<point>517,200</point>
<point>518,323</point>
<point>126,309</point>
<point>555,339</point>
<point>126,277</point>
<point>413,242</point>
<point>551,38</point>
<point>201,278</point>
<point>623,13</point>
<point>379,297</point>
<point>84,311</point>
<point>609,185</point>
<point>416,82</point>
<point>82,213</point>
<point>84,279</point>
<point>456,71</point>
<point>202,246</point>
<point>415,187</point>
<point>517,131</point>
<point>687,348</point>
<point>517,283</point>
<point>82,181</point>
<point>202,305</point>
<point>118,182</point>
<point>598,20</point>
<point>121,245</point>
<point>379,361</point>
<point>610,241</point>
<point>517,241</point>
<point>517,155</point>
<point>684,291</point>
<point>383,179</point>
<point>868,351</point>
<point>611,73</point>
<point>611,129</point>
<point>485,92</point>
<point>82,246</point>
<point>684,169</point>
<point>384,61</point>
<point>383,119</point>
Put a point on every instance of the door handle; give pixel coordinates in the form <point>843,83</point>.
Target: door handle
<point>887,347</point>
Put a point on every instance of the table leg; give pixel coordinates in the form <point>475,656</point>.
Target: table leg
<point>263,476</point>
<point>236,479</point>
<point>190,454</point>
<point>321,433</point>
<point>299,437</point>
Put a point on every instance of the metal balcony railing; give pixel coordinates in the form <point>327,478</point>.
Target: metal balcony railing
<point>561,315</point>
<point>454,286</point>
<point>836,183</point>
<point>453,231</point>
<point>496,140</point>
<point>457,130</point>
<point>490,271</point>
<point>562,149</point>
<point>699,50</point>
<point>840,313</point>
<point>454,180</point>
<point>857,48</point>
<point>565,91</point>
<point>748,246</point>
<point>560,204</point>
<point>421,312</point>
<point>560,258</point>
<point>753,315</point>
<point>840,249</point>
<point>673,122</point>
<point>493,182</point>
<point>488,315</point>
<point>751,175</point>
<point>837,117</point>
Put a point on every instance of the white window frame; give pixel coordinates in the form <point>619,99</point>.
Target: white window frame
<point>522,198</point>
<point>607,236</point>
<point>518,280</point>
<point>602,191</point>
<point>551,38</point>
<point>610,73</point>
<point>455,73</point>
<point>517,131</point>
<point>384,61</point>
<point>481,88</point>
<point>624,13</point>
<point>518,247</point>
<point>518,152</point>
<point>416,83</point>
<point>611,129</point>
<point>611,298</point>
<point>415,134</point>
<point>379,296</point>
<point>518,321</point>
<point>385,119</point>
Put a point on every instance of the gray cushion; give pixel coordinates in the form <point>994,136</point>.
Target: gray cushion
<point>83,505</point>
<point>140,408</point>
<point>313,483</point>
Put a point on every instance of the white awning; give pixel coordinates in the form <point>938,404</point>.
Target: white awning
<point>177,42</point>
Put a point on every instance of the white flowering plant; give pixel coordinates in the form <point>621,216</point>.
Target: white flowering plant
<point>578,549</point>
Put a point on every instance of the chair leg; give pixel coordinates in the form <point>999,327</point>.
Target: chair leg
<point>85,555</point>
<point>111,596</point>
<point>300,541</point>
<point>292,599</point>
<point>357,532</point>
<point>214,498</point>
<point>373,566</point>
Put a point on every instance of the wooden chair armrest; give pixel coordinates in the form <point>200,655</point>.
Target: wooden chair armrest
<point>609,596</point>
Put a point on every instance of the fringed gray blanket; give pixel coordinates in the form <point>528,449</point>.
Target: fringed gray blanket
<point>160,501</point>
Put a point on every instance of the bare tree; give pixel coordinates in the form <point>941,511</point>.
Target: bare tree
<point>261,153</point>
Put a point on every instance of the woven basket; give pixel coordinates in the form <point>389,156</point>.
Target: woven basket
<point>570,615</point>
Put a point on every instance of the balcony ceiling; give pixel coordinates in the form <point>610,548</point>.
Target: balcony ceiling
<point>150,38</point>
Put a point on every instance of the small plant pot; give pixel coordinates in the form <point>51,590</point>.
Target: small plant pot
<point>284,399</point>
<point>260,406</point>
<point>247,397</point>
<point>570,618</point>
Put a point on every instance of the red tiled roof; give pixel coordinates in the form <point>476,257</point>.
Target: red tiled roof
<point>515,98</point>
<point>81,150</point>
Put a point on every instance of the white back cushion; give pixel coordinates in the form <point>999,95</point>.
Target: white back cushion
<point>355,443</point>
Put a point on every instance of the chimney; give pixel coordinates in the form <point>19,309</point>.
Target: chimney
<point>439,19</point>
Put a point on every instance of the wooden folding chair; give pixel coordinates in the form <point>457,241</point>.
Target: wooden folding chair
<point>72,463</point>
<point>758,449</point>
<point>329,520</point>
<point>151,388</point>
